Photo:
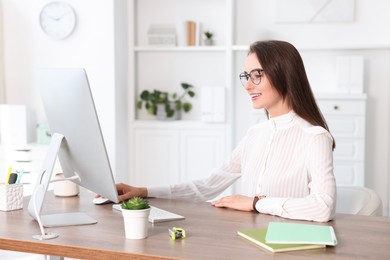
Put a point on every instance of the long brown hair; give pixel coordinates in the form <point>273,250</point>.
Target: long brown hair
<point>284,67</point>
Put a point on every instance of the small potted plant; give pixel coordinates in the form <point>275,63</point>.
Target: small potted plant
<point>135,212</point>
<point>209,38</point>
<point>165,105</point>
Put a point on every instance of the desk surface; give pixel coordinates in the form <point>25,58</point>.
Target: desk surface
<point>211,233</point>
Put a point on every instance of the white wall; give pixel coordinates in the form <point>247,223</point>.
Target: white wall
<point>2,98</point>
<point>91,46</point>
<point>371,17</point>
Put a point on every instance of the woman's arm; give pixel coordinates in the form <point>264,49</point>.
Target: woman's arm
<point>320,204</point>
<point>208,188</point>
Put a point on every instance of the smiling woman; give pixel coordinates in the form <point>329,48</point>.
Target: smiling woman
<point>286,163</point>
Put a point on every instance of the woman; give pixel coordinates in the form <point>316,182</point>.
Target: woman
<point>285,163</point>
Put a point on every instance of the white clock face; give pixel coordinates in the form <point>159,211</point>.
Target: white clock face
<point>57,19</point>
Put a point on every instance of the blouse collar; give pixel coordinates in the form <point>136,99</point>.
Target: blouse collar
<point>283,121</point>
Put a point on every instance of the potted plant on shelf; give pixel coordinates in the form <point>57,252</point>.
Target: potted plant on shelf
<point>135,212</point>
<point>165,105</point>
<point>209,38</point>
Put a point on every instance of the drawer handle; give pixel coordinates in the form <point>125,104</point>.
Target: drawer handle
<point>336,107</point>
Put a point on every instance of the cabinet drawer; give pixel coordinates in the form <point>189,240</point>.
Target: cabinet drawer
<point>27,167</point>
<point>22,155</point>
<point>346,126</point>
<point>342,107</point>
<point>156,157</point>
<point>349,149</point>
<point>349,174</point>
<point>205,146</point>
<point>29,178</point>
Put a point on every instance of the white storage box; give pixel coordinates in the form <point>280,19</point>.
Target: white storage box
<point>162,35</point>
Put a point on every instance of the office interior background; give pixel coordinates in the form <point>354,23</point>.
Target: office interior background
<point>110,42</point>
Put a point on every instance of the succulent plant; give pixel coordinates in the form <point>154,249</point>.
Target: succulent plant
<point>208,35</point>
<point>135,203</point>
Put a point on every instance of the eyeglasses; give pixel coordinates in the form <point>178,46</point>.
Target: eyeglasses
<point>255,76</point>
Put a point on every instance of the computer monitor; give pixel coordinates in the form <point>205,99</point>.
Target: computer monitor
<point>77,141</point>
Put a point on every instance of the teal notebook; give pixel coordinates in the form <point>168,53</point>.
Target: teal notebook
<point>257,236</point>
<point>294,233</point>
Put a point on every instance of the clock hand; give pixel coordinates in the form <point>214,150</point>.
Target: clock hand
<point>58,17</point>
<point>63,14</point>
<point>54,18</point>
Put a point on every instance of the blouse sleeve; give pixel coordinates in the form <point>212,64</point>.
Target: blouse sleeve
<point>208,188</point>
<point>320,204</point>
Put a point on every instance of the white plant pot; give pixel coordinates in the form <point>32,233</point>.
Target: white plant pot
<point>208,42</point>
<point>136,223</point>
<point>162,115</point>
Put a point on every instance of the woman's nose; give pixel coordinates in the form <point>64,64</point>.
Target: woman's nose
<point>248,85</point>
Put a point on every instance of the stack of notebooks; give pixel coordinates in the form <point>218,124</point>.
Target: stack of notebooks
<point>284,236</point>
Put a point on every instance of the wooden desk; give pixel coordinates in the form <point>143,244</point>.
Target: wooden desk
<point>211,234</point>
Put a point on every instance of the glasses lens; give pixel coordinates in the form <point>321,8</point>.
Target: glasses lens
<point>243,78</point>
<point>255,77</point>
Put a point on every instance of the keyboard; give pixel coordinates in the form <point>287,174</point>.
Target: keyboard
<point>156,214</point>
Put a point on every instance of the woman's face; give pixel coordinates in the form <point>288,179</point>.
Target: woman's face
<point>263,95</point>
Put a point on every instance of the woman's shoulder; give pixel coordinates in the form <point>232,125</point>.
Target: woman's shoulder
<point>311,129</point>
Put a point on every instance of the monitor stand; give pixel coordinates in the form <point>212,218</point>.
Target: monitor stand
<point>67,219</point>
<point>36,202</point>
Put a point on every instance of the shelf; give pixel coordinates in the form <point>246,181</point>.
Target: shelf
<point>328,47</point>
<point>179,49</point>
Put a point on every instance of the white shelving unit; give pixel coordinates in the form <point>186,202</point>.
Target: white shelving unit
<point>168,152</point>
<point>164,153</point>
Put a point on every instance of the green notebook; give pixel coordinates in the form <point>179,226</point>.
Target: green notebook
<point>257,236</point>
<point>294,233</point>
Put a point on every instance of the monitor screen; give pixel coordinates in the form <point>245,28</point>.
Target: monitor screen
<point>77,138</point>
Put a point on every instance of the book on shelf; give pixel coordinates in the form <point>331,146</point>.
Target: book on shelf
<point>296,233</point>
<point>257,236</point>
<point>191,33</point>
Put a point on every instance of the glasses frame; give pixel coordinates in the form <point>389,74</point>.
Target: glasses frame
<point>244,77</point>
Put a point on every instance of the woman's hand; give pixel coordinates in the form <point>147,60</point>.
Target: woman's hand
<point>126,192</point>
<point>238,202</point>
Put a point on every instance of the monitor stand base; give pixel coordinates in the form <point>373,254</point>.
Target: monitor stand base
<point>67,219</point>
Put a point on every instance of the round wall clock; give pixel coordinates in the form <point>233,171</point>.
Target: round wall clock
<point>57,19</point>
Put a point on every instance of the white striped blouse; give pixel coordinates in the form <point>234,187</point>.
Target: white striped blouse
<point>285,159</point>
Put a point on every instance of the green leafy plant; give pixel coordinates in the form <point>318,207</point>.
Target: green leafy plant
<point>171,101</point>
<point>208,35</point>
<point>135,203</point>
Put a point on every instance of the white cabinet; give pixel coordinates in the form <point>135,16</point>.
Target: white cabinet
<point>156,156</point>
<point>346,117</point>
<point>176,151</point>
<point>28,158</point>
<point>201,151</point>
